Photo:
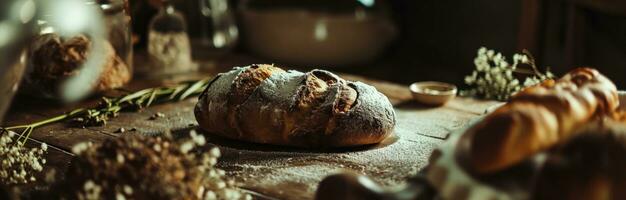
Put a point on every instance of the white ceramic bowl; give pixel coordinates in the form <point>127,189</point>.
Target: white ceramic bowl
<point>433,93</point>
<point>309,38</point>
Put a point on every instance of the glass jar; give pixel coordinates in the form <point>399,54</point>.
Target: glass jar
<point>118,24</point>
<point>211,27</point>
<point>66,64</point>
<point>10,77</point>
<point>169,48</point>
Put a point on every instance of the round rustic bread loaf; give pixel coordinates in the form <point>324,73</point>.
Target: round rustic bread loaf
<point>265,104</point>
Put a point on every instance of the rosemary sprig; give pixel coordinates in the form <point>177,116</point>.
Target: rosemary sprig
<point>110,107</point>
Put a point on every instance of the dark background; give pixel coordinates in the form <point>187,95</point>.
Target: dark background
<point>439,38</point>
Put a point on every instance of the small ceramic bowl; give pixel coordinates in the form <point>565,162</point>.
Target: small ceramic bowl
<point>433,93</point>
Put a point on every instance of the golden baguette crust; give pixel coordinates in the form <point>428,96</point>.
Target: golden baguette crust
<point>538,118</point>
<point>523,129</point>
<point>264,104</point>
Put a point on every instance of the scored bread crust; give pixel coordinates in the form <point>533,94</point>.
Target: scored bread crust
<point>314,109</point>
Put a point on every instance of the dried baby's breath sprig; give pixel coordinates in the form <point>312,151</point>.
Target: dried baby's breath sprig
<point>110,107</point>
<point>18,163</point>
<point>143,167</point>
<point>496,78</point>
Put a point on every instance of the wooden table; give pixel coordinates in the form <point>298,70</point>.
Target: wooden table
<point>270,172</point>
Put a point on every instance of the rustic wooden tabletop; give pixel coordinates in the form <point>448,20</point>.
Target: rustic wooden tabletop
<point>270,172</point>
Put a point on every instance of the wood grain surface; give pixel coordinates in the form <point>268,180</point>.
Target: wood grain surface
<point>271,172</point>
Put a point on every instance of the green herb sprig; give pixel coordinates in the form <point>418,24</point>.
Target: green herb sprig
<point>110,107</point>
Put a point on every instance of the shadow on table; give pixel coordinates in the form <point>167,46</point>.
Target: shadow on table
<point>249,146</point>
<point>412,105</point>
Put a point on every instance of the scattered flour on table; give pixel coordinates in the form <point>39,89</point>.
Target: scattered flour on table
<point>273,172</point>
<point>295,175</point>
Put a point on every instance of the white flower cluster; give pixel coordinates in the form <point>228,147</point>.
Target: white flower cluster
<point>91,191</point>
<point>209,182</point>
<point>18,162</point>
<point>215,185</point>
<point>494,76</point>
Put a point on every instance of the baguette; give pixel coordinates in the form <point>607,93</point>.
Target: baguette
<point>539,117</point>
<point>265,104</point>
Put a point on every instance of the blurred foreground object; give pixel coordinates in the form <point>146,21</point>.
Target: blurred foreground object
<point>53,59</point>
<point>589,166</point>
<point>18,22</point>
<point>348,186</point>
<point>500,155</point>
<point>144,167</point>
<point>317,32</point>
<point>20,164</point>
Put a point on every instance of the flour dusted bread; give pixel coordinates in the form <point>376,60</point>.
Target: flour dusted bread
<point>539,117</point>
<point>265,104</point>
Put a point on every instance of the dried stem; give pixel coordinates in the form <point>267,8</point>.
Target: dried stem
<point>111,107</point>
